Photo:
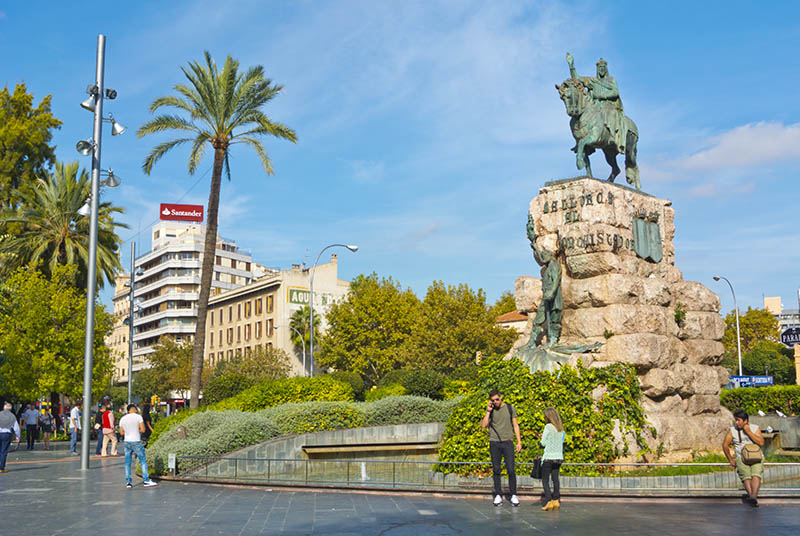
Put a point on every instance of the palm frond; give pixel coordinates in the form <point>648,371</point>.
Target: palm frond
<point>160,150</point>
<point>166,122</point>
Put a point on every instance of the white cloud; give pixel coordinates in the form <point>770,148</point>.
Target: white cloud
<point>749,145</point>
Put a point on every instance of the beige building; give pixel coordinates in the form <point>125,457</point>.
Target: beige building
<point>258,314</point>
<point>167,287</point>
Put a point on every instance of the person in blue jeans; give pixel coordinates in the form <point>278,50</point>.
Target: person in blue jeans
<point>74,426</point>
<point>131,426</point>
<point>9,427</point>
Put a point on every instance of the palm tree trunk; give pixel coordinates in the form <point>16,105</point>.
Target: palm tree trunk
<point>206,276</point>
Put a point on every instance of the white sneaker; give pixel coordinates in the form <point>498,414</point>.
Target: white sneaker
<point>514,500</point>
<point>150,484</point>
<point>498,500</point>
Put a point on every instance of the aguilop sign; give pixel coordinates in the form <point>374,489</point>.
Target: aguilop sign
<point>170,211</point>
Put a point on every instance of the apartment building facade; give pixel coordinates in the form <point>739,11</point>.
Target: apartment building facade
<point>257,315</point>
<point>167,288</point>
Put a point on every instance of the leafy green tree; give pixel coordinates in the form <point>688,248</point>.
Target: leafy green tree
<point>222,108</point>
<point>770,358</point>
<point>25,150</point>
<point>170,369</point>
<point>504,304</point>
<point>455,324</point>
<point>52,233</point>
<point>231,377</point>
<point>367,330</point>
<point>42,330</point>
<point>755,325</point>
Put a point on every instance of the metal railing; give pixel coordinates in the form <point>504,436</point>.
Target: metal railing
<point>586,478</point>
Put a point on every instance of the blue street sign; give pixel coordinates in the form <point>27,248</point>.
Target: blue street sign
<point>760,381</point>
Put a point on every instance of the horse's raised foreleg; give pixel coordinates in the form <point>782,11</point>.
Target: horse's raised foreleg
<point>611,158</point>
<point>582,156</point>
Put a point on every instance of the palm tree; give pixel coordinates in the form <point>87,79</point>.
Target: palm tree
<point>223,108</point>
<point>46,229</point>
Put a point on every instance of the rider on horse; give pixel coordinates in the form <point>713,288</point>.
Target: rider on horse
<point>604,92</point>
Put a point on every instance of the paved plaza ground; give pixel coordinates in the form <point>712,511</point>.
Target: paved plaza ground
<point>46,493</point>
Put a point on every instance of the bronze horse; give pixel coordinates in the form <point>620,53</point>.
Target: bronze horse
<point>592,132</point>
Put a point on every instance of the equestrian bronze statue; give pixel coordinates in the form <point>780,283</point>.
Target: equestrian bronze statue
<point>597,122</point>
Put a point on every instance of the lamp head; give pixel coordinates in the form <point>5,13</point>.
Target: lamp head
<point>111,94</point>
<point>85,147</point>
<point>89,103</point>
<point>716,278</point>
<point>117,128</point>
<point>86,209</point>
<point>352,248</point>
<point>112,181</point>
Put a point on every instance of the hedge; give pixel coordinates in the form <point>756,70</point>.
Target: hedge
<point>215,433</point>
<point>287,390</point>
<point>589,423</point>
<point>377,393</point>
<point>784,398</point>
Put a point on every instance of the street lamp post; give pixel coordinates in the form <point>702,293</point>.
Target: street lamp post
<point>94,103</point>
<point>736,309</point>
<point>302,342</point>
<point>311,299</point>
<point>130,323</point>
<point>91,280</point>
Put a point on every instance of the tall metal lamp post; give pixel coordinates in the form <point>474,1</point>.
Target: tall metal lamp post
<point>311,298</point>
<point>97,92</point>
<point>736,309</point>
<point>132,309</point>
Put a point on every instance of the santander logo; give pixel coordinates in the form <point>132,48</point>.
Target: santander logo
<point>171,211</point>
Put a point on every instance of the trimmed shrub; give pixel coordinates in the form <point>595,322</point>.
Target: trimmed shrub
<point>353,378</point>
<point>407,409</point>
<point>589,423</point>
<point>393,376</point>
<point>455,388</point>
<point>423,383</point>
<point>170,422</point>
<point>393,389</point>
<point>316,416</point>
<point>784,398</point>
<point>283,391</point>
<point>225,386</point>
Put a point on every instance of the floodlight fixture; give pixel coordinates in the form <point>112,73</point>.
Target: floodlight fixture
<point>86,209</point>
<point>112,181</point>
<point>116,127</point>
<point>89,103</point>
<point>85,147</point>
<point>111,94</point>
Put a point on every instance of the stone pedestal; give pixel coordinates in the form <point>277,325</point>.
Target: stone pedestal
<point>621,288</point>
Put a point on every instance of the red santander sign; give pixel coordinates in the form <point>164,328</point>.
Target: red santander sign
<point>170,211</point>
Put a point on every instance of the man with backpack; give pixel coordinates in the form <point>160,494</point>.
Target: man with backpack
<point>501,420</point>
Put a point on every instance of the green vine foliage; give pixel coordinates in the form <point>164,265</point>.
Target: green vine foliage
<point>589,423</point>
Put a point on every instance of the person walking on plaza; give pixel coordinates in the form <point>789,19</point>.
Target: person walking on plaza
<point>74,427</point>
<point>8,428</point>
<point>109,433</point>
<point>501,419</point>
<point>98,428</point>
<point>553,443</point>
<point>47,426</point>
<point>741,434</point>
<point>148,423</point>
<point>31,420</point>
<point>131,426</point>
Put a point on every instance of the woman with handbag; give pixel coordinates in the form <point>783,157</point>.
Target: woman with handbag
<point>748,457</point>
<point>553,443</point>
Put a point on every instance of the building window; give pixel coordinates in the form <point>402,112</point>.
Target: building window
<point>238,352</point>
<point>233,263</point>
<point>258,307</point>
<point>230,355</point>
<point>238,311</point>
<point>230,335</point>
<point>238,333</point>
<point>270,303</point>
<point>220,356</point>
<point>211,358</point>
<point>270,327</point>
<point>155,235</point>
<point>247,266</point>
<point>212,318</point>
<point>220,337</point>
<point>230,313</point>
<point>258,329</point>
<point>247,352</point>
<point>247,329</point>
<point>211,343</point>
<point>219,260</point>
<point>247,308</point>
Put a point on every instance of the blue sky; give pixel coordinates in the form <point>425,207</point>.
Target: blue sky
<point>426,127</point>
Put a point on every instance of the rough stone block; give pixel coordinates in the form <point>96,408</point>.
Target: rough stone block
<point>642,350</point>
<point>703,351</point>
<point>695,296</point>
<point>702,325</point>
<point>610,289</point>
<point>659,382</point>
<point>697,404</point>
<point>667,404</point>
<point>619,319</point>
<point>527,293</point>
<point>697,379</point>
